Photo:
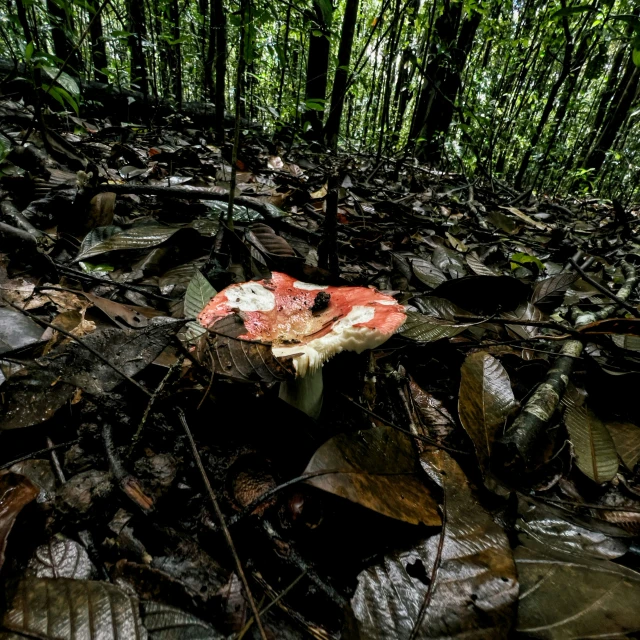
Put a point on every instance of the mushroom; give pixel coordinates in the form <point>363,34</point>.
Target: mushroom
<point>308,324</point>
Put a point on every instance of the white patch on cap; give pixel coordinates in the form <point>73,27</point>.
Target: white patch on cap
<point>307,286</point>
<point>343,337</point>
<point>387,302</point>
<point>250,296</point>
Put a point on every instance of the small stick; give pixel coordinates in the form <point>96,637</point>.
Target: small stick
<point>605,290</point>
<point>225,530</point>
<point>152,399</point>
<point>33,454</point>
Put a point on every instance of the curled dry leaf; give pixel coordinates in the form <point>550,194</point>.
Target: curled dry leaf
<point>575,596</point>
<point>485,402</point>
<point>377,469</point>
<point>475,589</point>
<point>16,492</point>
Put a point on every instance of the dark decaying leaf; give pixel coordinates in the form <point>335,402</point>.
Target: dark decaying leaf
<point>427,273</point>
<point>16,491</point>
<point>559,530</point>
<point>168,623</point>
<point>477,266</point>
<point>485,295</point>
<point>141,237</point>
<point>32,396</point>
<point>16,330</point>
<point>449,261</point>
<point>128,349</point>
<point>626,438</point>
<point>124,315</point>
<point>377,469</point>
<point>575,596</point>
<point>614,326</point>
<point>423,328</point>
<point>61,557</point>
<point>64,609</point>
<point>246,361</point>
<point>524,312</point>
<point>264,238</point>
<point>486,400</point>
<point>554,285</point>
<point>476,588</point>
<point>435,416</point>
<point>593,446</point>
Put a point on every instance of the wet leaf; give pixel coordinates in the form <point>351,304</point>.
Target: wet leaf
<point>61,557</point>
<point>477,266</point>
<point>16,491</point>
<point>425,329</point>
<point>427,273</point>
<point>592,444</point>
<point>626,438</point>
<point>486,400</point>
<point>130,350</point>
<point>168,623</point>
<point>632,343</point>
<point>141,237</point>
<point>449,261</point>
<point>520,259</point>
<point>475,591</point>
<point>524,312</point>
<point>266,240</point>
<point>16,330</point>
<point>198,294</point>
<point>575,596</point>
<point>240,359</point>
<point>613,326</point>
<point>435,416</point>
<point>64,609</point>
<point>377,469</point>
<point>552,286</point>
<point>559,530</point>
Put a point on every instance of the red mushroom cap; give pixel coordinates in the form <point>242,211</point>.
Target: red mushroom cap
<point>303,325</point>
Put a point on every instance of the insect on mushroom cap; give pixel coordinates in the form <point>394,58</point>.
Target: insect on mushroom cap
<point>306,322</point>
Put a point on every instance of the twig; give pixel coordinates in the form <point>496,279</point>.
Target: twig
<point>97,354</point>
<point>605,290</point>
<point>152,399</point>
<point>434,572</point>
<point>264,610</point>
<point>223,525</point>
<point>33,454</point>
<point>129,484</point>
<point>402,430</point>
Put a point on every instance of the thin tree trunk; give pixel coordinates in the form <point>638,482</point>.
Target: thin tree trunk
<point>98,46</point>
<point>137,28</point>
<point>218,15</point>
<point>283,62</point>
<point>317,68</point>
<point>338,93</point>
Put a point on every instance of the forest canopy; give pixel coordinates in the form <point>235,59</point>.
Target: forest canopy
<point>542,95</point>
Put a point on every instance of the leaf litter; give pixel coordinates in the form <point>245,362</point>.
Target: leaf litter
<point>474,476</point>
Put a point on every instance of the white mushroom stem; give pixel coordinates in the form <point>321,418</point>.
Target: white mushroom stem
<point>304,392</point>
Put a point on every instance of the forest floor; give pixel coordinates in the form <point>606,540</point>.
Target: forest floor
<point>474,476</point>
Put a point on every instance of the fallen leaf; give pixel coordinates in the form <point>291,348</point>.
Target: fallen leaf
<point>16,491</point>
<point>575,596</point>
<point>476,588</point>
<point>626,438</point>
<point>593,446</point>
<point>486,400</point>
<point>377,469</point>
